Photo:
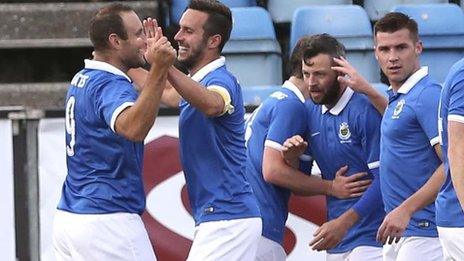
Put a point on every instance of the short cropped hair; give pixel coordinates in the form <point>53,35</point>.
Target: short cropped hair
<point>107,21</point>
<point>323,44</point>
<point>219,18</point>
<point>396,21</point>
<point>294,64</point>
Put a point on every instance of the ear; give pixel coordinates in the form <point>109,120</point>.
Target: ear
<point>114,41</point>
<point>418,47</point>
<point>214,41</point>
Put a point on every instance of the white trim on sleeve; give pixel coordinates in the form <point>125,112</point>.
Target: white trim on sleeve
<point>373,165</point>
<point>273,144</point>
<point>117,112</point>
<point>435,141</point>
<point>454,117</point>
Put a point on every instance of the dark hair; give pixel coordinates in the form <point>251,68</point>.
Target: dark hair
<point>107,21</point>
<point>395,21</point>
<point>219,18</point>
<point>294,64</point>
<point>323,44</point>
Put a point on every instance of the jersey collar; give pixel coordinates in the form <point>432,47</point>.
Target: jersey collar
<point>292,87</point>
<point>102,66</point>
<point>341,104</point>
<point>198,76</point>
<point>413,80</point>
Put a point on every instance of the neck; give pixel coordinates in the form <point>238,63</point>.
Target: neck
<point>299,83</point>
<point>206,59</point>
<point>110,59</point>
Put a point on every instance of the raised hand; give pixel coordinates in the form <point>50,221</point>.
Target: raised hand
<point>348,187</point>
<point>293,147</point>
<point>159,49</point>
<point>352,78</point>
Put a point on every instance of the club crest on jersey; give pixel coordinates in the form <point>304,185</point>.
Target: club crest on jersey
<point>344,132</point>
<point>398,109</point>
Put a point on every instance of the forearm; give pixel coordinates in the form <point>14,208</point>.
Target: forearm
<point>208,102</point>
<point>378,100</point>
<point>282,175</point>
<point>456,156</point>
<point>169,98</point>
<point>135,122</point>
<point>457,177</point>
<point>349,218</point>
<point>426,194</point>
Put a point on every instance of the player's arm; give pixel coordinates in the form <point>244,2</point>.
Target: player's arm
<point>212,101</point>
<point>278,172</point>
<point>135,122</point>
<point>456,156</point>
<point>356,82</point>
<point>170,96</point>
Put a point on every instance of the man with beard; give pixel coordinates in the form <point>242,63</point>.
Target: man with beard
<point>279,117</point>
<point>411,171</point>
<point>98,216</point>
<point>212,138</point>
<point>343,130</point>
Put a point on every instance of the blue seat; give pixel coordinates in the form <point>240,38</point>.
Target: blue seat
<point>178,7</point>
<point>282,11</point>
<point>377,9</point>
<point>441,30</point>
<point>349,24</point>
<point>253,52</point>
<point>255,95</point>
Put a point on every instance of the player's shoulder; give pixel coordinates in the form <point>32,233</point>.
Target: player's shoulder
<point>222,77</point>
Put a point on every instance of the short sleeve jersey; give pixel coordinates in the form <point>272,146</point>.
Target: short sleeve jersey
<point>281,116</point>
<point>104,168</point>
<point>212,152</point>
<point>348,134</point>
<point>407,157</point>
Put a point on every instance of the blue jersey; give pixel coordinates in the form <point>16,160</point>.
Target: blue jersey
<point>407,156</point>
<point>212,152</point>
<point>449,211</point>
<point>104,168</point>
<point>349,134</point>
<point>278,118</point>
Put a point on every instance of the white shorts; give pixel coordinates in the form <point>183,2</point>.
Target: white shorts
<point>365,253</point>
<point>235,239</point>
<point>118,236</point>
<point>269,250</point>
<point>414,248</point>
<point>452,240</point>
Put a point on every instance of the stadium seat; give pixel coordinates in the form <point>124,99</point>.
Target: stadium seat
<point>349,24</point>
<point>178,7</point>
<point>282,11</point>
<point>377,9</point>
<point>253,53</point>
<point>255,95</point>
<point>441,30</point>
